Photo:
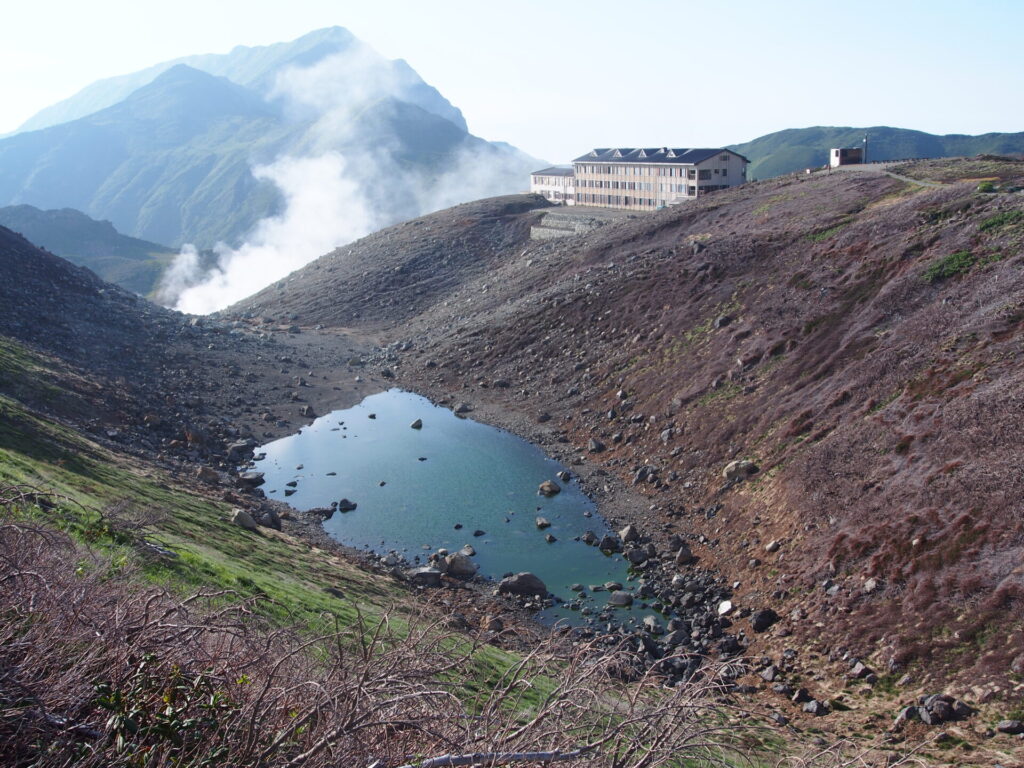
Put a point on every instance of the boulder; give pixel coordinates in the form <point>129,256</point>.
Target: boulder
<point>549,488</point>
<point>653,626</point>
<point>816,708</point>
<point>543,522</point>
<point>636,556</point>
<point>761,620</point>
<point>461,408</point>
<point>620,599</point>
<point>207,475</point>
<point>241,450</point>
<point>595,446</point>
<point>609,543</point>
<point>243,519</point>
<point>346,506</point>
<point>1012,727</point>
<point>524,583</point>
<point>684,556</point>
<point>307,411</point>
<point>739,470</point>
<point>270,519</point>
<point>418,424</point>
<point>424,576</point>
<point>460,565</point>
<point>629,534</point>
<point>251,479</point>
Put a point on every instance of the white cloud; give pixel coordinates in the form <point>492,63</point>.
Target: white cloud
<point>323,209</point>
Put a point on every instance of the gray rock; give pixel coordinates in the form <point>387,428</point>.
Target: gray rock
<point>684,556</point>
<point>270,519</point>
<point>620,599</point>
<point>636,556</point>
<point>251,479</point>
<point>595,445</point>
<point>609,543</point>
<point>589,538</point>
<point>739,470</point>
<point>524,583</point>
<point>761,620</point>
<point>243,519</point>
<point>307,411</point>
<point>653,626</point>
<point>543,522</point>
<point>1012,727</point>
<point>461,408</point>
<point>770,673</point>
<point>549,488</point>
<point>459,565</point>
<point>816,708</point>
<point>629,534</point>
<point>346,506</point>
<point>418,424</point>
<point>241,450</point>
<point>424,576</point>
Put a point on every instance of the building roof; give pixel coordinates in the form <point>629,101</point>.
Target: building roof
<point>652,155</point>
<point>555,170</point>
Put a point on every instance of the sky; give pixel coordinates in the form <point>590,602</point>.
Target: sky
<point>558,77</point>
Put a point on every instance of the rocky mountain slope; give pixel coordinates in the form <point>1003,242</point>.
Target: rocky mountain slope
<point>126,261</point>
<point>795,149</point>
<point>855,337</point>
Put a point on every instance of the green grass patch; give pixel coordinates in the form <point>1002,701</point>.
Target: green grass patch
<point>825,234</point>
<point>1003,219</point>
<point>957,263</point>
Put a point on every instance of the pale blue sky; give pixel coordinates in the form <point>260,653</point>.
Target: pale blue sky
<point>556,78</point>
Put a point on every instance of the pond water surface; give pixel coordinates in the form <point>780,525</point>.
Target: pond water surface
<point>413,487</point>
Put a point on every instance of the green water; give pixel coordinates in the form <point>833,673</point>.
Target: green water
<point>413,486</point>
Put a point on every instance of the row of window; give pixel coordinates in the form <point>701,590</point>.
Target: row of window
<point>640,170</point>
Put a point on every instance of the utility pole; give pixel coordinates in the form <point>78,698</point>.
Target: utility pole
<point>864,156</point>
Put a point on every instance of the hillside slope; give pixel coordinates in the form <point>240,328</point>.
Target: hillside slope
<point>795,149</point>
<point>126,261</point>
<point>859,338</point>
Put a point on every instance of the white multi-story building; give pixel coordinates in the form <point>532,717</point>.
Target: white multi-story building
<point>646,179</point>
<point>555,183</point>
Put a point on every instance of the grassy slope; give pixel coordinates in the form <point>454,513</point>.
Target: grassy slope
<point>290,575</point>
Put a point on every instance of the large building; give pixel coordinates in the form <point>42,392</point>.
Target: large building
<point>646,179</point>
<point>557,184</point>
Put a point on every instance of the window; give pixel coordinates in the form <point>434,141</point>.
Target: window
<point>716,171</point>
<point>704,174</point>
<point>691,174</point>
<point>724,158</point>
<point>725,171</point>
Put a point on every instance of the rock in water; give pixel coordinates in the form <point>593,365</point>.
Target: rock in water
<point>418,424</point>
<point>543,522</point>
<point>620,599</point>
<point>549,488</point>
<point>346,506</point>
<point>524,583</point>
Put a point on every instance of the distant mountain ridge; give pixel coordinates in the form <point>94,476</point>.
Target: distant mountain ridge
<point>253,67</point>
<point>171,161</point>
<point>797,148</point>
<point>127,261</point>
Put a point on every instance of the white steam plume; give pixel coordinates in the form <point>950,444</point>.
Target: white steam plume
<point>323,209</point>
<point>340,182</point>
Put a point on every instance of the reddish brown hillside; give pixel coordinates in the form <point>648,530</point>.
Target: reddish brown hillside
<point>861,339</point>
